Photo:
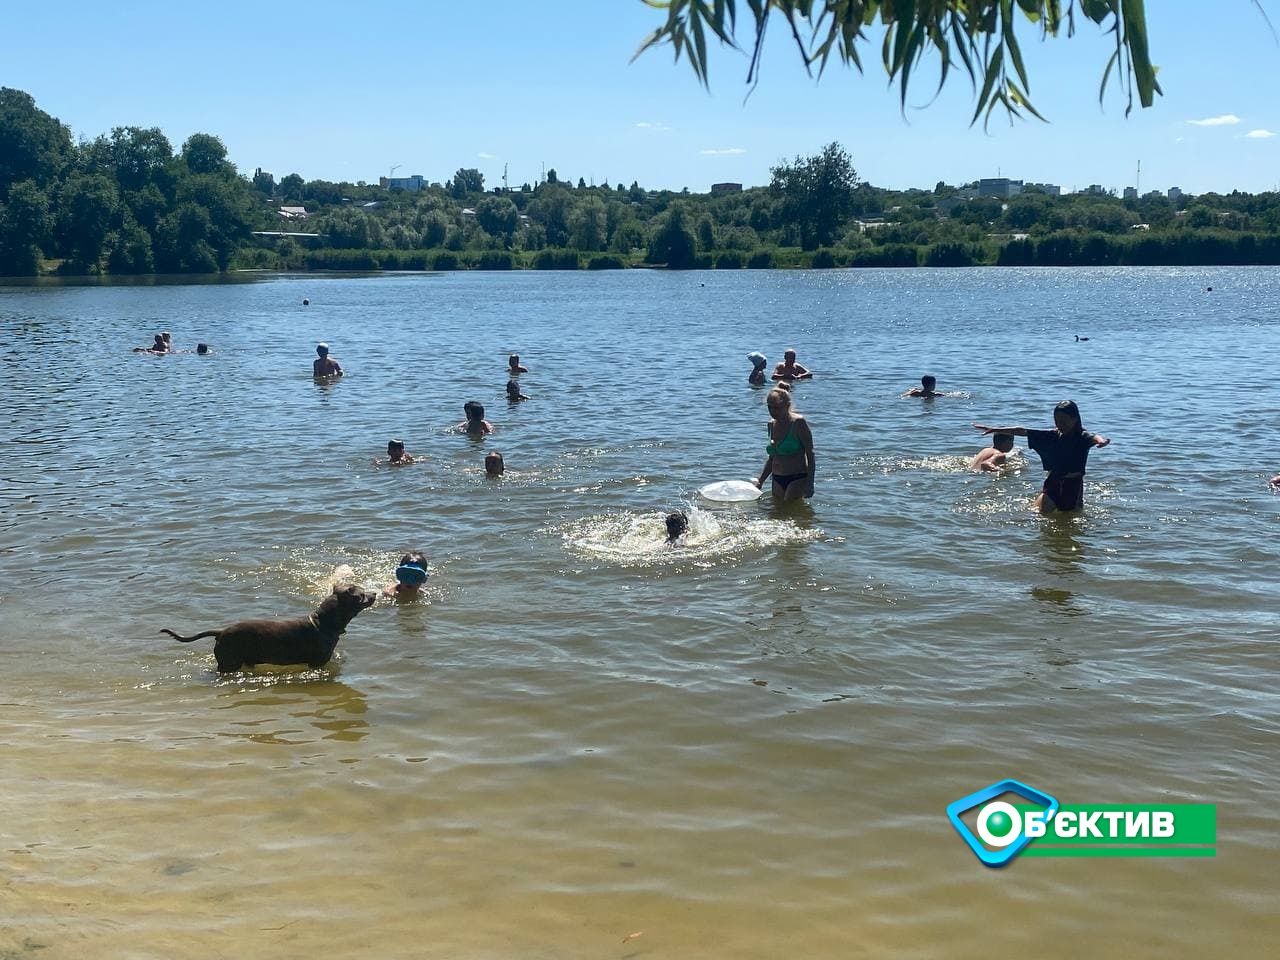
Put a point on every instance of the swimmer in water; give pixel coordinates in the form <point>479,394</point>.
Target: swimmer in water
<point>1064,452</point>
<point>758,362</point>
<point>788,369</point>
<point>411,574</point>
<point>202,350</point>
<point>513,365</point>
<point>991,459</point>
<point>928,388</point>
<point>159,348</point>
<point>475,425</point>
<point>1275,481</point>
<point>513,392</point>
<point>494,466</point>
<point>396,455</point>
<point>325,366</point>
<point>791,461</point>
<point>168,341</point>
<point>677,524</point>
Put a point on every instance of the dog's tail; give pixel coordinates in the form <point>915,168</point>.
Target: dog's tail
<point>198,636</point>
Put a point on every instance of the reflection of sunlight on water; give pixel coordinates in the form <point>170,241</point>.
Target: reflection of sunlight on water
<point>632,540</point>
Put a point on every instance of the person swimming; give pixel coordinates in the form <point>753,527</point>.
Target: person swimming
<point>991,459</point>
<point>513,365</point>
<point>677,524</point>
<point>513,392</point>
<point>494,465</point>
<point>1064,452</point>
<point>788,369</point>
<point>411,574</point>
<point>325,365</point>
<point>202,350</point>
<point>758,362</point>
<point>396,455</point>
<point>928,388</point>
<point>159,347</point>
<point>475,425</point>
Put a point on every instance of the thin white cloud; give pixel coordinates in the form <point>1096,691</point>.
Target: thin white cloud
<point>655,127</point>
<point>1259,135</point>
<point>1226,120</point>
<point>484,156</point>
<point>727,152</point>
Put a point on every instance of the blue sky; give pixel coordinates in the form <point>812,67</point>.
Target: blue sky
<point>344,91</point>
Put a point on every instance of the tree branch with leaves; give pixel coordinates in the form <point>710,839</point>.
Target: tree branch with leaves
<point>978,36</point>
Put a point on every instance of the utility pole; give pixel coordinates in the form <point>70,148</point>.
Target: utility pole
<point>1138,184</point>
<point>505,187</point>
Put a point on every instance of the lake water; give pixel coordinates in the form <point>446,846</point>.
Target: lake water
<point>742,747</point>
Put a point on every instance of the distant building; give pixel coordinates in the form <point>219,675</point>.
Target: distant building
<point>1001,187</point>
<point>1096,190</point>
<point>1153,195</point>
<point>468,213</point>
<point>408,184</point>
<point>1131,193</point>
<point>293,213</point>
<point>1051,189</point>
<point>721,188</point>
<point>1175,194</point>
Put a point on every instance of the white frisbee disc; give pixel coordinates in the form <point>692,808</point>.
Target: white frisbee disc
<point>730,491</point>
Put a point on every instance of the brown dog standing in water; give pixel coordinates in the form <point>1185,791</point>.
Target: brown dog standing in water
<point>310,640</point>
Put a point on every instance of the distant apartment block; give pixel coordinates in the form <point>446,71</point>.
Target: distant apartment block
<point>1131,193</point>
<point>1095,190</point>
<point>721,188</point>
<point>1052,189</point>
<point>1175,194</point>
<point>408,184</point>
<point>1001,187</point>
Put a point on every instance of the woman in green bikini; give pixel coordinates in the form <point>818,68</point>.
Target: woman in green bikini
<point>790,450</point>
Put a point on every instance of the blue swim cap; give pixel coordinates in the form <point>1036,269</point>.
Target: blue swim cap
<point>757,358</point>
<point>411,575</point>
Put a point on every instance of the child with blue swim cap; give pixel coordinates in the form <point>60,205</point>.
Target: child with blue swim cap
<point>411,574</point>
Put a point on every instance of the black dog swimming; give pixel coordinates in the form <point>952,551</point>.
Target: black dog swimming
<point>310,640</point>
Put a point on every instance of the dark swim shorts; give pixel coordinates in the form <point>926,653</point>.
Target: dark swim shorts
<point>1066,492</point>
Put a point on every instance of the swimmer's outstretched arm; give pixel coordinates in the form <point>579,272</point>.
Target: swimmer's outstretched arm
<point>1016,431</point>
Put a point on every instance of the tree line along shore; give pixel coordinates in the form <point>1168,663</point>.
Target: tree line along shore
<point>127,202</point>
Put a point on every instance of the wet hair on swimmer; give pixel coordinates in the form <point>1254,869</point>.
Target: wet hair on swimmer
<point>202,348</point>
<point>395,444</point>
<point>322,349</point>
<point>1002,441</point>
<point>1070,409</point>
<point>677,523</point>
<point>473,409</point>
<point>928,380</point>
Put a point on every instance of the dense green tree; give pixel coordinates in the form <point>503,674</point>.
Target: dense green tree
<point>264,183</point>
<point>204,153</point>
<point>466,180</point>
<point>672,242</point>
<point>291,187</point>
<point>706,234</point>
<point>629,237</point>
<point>551,210</point>
<point>182,242</point>
<point>24,227</point>
<point>588,225</point>
<point>435,229</point>
<point>129,249</point>
<point>816,194</point>
<point>33,145</point>
<point>139,156</point>
<point>499,217</point>
<point>87,206</point>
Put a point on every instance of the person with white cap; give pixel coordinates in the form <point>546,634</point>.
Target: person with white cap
<point>325,365</point>
<point>758,362</point>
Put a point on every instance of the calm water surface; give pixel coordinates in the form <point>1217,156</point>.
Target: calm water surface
<point>739,748</point>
